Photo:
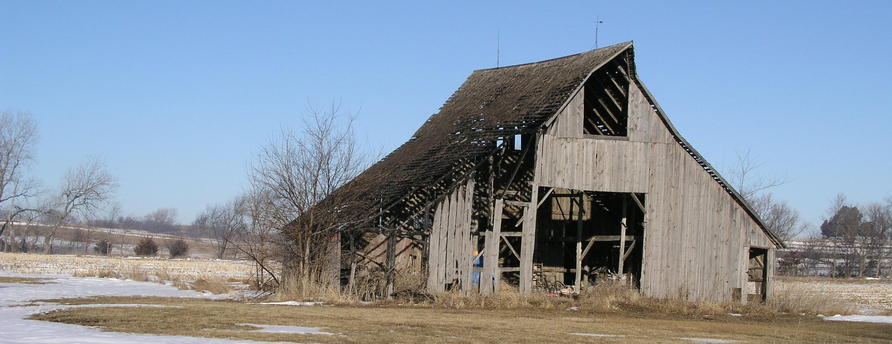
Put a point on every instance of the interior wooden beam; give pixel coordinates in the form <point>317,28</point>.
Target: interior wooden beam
<point>587,248</point>
<point>510,247</point>
<point>609,238</point>
<point>622,234</point>
<point>640,205</point>
<point>607,108</point>
<point>597,130</point>
<point>618,87</point>
<point>606,91</point>
<point>629,250</point>
<point>619,67</point>
<point>604,119</point>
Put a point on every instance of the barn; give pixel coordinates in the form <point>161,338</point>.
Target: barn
<point>555,176</point>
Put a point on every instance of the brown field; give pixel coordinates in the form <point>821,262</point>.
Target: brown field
<point>407,324</point>
<point>98,266</point>
<point>608,314</point>
<point>851,295</point>
<point>22,280</point>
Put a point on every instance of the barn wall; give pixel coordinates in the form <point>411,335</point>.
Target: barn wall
<point>696,235</point>
<point>449,260</point>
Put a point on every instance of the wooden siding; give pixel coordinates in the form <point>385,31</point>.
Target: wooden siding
<point>569,123</point>
<point>696,235</point>
<point>450,240</point>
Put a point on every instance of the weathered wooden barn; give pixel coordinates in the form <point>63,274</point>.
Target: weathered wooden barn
<point>557,175</point>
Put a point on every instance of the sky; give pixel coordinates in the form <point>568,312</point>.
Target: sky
<point>177,97</point>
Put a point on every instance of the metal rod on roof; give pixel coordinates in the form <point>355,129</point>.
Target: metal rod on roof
<point>597,23</point>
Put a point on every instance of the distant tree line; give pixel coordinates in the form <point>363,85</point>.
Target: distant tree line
<point>163,220</point>
<point>854,241</point>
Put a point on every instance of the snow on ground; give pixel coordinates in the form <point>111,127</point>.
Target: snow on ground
<point>598,335</point>
<point>708,340</point>
<point>287,329</point>
<point>16,329</point>
<point>187,269</point>
<point>291,303</point>
<point>883,319</point>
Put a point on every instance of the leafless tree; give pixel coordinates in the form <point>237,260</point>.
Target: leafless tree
<point>877,231</point>
<point>780,218</point>
<point>260,239</point>
<point>222,223</point>
<point>163,220</point>
<point>746,181</point>
<point>18,135</point>
<point>84,189</point>
<point>859,235</point>
<point>294,175</point>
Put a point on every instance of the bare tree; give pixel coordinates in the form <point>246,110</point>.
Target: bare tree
<point>260,239</point>
<point>222,223</point>
<point>745,180</point>
<point>84,189</point>
<point>877,232</point>
<point>18,134</point>
<point>294,174</point>
<point>778,216</point>
<point>163,220</point>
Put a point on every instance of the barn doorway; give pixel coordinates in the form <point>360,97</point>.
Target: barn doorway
<point>584,238</point>
<point>757,275</point>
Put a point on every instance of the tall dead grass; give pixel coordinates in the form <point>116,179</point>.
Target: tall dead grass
<point>793,298</point>
<point>619,298</point>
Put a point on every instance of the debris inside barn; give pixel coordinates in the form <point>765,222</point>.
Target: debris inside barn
<point>557,175</point>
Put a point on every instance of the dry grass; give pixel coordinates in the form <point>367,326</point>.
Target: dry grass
<point>94,266</point>
<point>835,295</point>
<point>618,299</point>
<point>414,324</point>
<point>23,280</point>
<point>217,277</point>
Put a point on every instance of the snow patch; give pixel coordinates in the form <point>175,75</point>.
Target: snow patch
<point>882,319</point>
<point>290,303</point>
<point>17,330</point>
<point>709,340</point>
<point>599,335</point>
<point>287,329</point>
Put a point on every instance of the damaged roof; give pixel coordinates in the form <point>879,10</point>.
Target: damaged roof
<point>490,104</point>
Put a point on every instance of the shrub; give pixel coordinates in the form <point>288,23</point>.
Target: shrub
<point>102,247</point>
<point>146,247</point>
<point>177,248</point>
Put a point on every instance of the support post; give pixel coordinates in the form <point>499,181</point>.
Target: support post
<point>528,243</point>
<point>391,263</point>
<point>489,282</point>
<point>578,280</point>
<point>622,240</point>
<point>351,280</point>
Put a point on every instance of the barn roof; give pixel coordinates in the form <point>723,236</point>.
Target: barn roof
<point>491,103</point>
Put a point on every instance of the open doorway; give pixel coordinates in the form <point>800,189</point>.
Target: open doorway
<point>585,237</point>
<point>757,275</point>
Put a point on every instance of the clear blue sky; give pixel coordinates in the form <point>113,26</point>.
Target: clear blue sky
<point>177,96</point>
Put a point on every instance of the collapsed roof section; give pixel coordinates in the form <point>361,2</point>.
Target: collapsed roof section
<point>489,105</point>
